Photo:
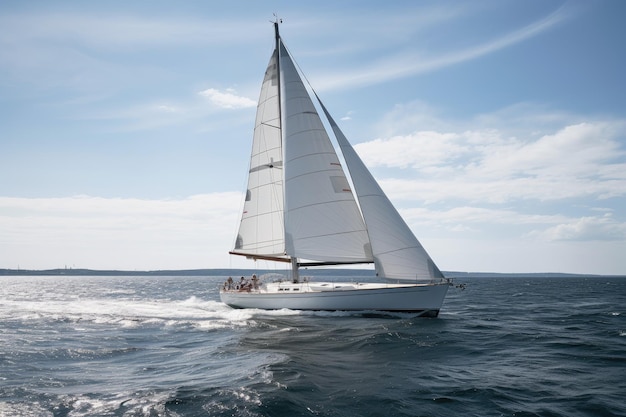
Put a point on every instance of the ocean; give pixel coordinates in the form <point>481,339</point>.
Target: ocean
<point>166,346</point>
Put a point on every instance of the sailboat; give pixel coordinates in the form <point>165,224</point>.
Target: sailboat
<point>302,207</point>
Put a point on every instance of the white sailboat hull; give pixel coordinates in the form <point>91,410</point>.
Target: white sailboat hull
<point>423,299</point>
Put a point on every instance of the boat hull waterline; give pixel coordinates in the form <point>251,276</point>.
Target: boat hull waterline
<point>422,299</point>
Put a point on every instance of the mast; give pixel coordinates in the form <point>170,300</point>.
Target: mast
<point>295,273</point>
<point>280,102</point>
<point>276,22</point>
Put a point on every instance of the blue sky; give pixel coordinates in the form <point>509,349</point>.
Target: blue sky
<point>498,128</point>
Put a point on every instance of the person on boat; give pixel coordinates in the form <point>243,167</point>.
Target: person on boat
<point>242,284</point>
<point>228,285</point>
<point>255,282</point>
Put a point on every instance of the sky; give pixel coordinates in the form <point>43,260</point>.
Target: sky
<point>497,128</point>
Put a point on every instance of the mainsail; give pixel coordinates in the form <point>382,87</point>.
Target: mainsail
<point>261,231</point>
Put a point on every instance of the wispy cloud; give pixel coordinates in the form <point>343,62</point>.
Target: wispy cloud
<point>193,112</point>
<point>35,41</point>
<point>411,63</point>
<point>227,99</point>
<point>115,30</point>
<point>109,56</point>
<point>595,228</point>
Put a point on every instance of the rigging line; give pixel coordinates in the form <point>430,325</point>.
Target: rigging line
<point>302,74</point>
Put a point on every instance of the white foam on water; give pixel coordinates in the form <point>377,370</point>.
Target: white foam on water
<point>23,410</point>
<point>136,404</point>
<point>129,313</point>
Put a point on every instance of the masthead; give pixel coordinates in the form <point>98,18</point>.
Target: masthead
<point>276,21</point>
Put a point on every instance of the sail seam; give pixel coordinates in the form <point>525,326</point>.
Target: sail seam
<point>400,250</point>
<point>313,154</point>
<point>321,204</point>
<point>332,234</point>
<point>310,173</point>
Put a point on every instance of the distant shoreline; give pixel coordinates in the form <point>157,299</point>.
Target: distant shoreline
<point>244,272</point>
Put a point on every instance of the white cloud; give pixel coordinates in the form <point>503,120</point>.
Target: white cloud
<point>585,229</point>
<point>100,233</point>
<point>190,113</point>
<point>348,116</point>
<point>546,180</point>
<point>418,150</point>
<point>228,99</point>
<point>578,160</point>
<point>583,150</point>
<point>497,240</point>
<point>167,109</point>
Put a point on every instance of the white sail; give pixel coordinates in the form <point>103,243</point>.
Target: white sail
<point>261,231</point>
<point>322,219</point>
<point>397,252</point>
